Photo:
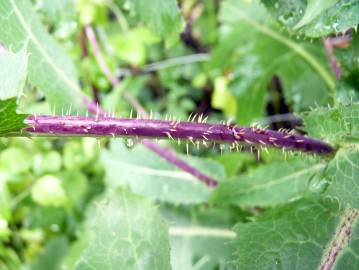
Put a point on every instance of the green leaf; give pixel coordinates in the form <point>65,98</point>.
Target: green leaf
<point>235,162</point>
<point>5,231</point>
<point>13,75</point>
<point>45,217</point>
<point>275,183</point>
<point>50,69</point>
<point>5,201</point>
<point>54,252</point>
<point>222,98</point>
<point>339,18</point>
<point>300,235</point>
<point>321,17</point>
<point>131,45</point>
<point>47,162</point>
<point>11,78</point>
<point>9,259</point>
<point>314,8</point>
<point>200,252</point>
<point>343,173</point>
<point>268,55</point>
<point>126,232</point>
<point>74,252</point>
<point>162,17</point>
<point>337,125</point>
<point>200,238</point>
<point>92,11</point>
<point>60,14</point>
<point>150,175</point>
<point>10,120</point>
<point>75,185</point>
<point>74,156</point>
<point>15,160</point>
<point>48,191</point>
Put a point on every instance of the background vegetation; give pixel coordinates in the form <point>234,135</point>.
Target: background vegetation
<point>85,203</point>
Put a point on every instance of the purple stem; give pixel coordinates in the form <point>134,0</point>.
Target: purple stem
<point>340,240</point>
<point>172,157</point>
<point>90,33</point>
<point>165,153</point>
<point>333,62</point>
<point>194,132</point>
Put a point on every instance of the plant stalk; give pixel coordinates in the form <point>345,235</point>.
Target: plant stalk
<point>195,132</point>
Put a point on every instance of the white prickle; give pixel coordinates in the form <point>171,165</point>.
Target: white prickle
<point>189,117</point>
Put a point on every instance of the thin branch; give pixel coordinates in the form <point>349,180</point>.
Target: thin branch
<point>106,70</point>
<point>100,60</point>
<point>172,157</point>
<point>84,54</point>
<point>187,36</point>
<point>172,62</point>
<point>81,37</point>
<point>118,14</point>
<point>165,153</point>
<point>182,60</point>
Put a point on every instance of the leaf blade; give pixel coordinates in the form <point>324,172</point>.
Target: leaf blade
<point>148,175</point>
<point>296,236</point>
<point>10,121</point>
<point>122,237</point>
<point>14,74</point>
<point>268,185</point>
<point>162,17</point>
<point>50,69</point>
<point>320,18</point>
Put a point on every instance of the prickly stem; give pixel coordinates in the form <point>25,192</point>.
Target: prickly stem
<point>100,126</point>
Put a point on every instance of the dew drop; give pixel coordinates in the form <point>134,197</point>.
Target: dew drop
<point>318,184</point>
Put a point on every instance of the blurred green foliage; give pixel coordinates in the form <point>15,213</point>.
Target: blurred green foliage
<point>85,203</point>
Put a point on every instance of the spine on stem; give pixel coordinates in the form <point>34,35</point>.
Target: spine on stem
<point>195,132</point>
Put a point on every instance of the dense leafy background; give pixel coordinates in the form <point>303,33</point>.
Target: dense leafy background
<point>114,204</point>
